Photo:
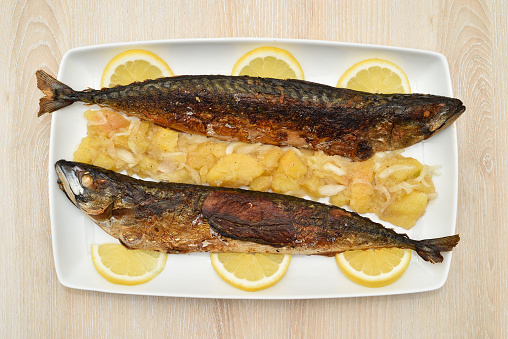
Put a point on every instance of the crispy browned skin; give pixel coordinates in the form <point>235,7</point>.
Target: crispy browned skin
<point>279,112</point>
<point>181,218</point>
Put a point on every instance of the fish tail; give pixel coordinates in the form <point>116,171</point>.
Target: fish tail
<point>430,249</point>
<point>57,93</point>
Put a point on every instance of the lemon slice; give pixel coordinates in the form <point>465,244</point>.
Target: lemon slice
<point>120,265</point>
<point>374,268</point>
<point>269,62</point>
<point>250,272</point>
<point>375,76</point>
<point>134,65</point>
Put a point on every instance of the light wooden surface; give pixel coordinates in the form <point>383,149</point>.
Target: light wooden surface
<point>472,34</point>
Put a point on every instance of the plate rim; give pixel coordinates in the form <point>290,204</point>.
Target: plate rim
<point>63,279</point>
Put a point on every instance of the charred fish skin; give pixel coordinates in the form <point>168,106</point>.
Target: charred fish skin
<point>296,113</point>
<point>182,218</point>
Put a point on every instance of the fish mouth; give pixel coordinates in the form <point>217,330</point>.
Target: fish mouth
<point>68,180</point>
<point>451,118</point>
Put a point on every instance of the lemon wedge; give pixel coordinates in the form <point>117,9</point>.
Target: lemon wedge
<point>250,272</point>
<point>123,266</point>
<point>374,267</point>
<point>134,65</point>
<point>375,76</point>
<point>269,62</point>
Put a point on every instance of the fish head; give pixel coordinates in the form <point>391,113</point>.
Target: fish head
<point>438,117</point>
<point>422,119</point>
<point>88,187</point>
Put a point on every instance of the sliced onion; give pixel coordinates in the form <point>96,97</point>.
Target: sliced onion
<point>334,169</point>
<point>330,190</point>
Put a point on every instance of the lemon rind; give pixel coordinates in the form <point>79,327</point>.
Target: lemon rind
<point>131,55</point>
<point>244,284</point>
<point>120,279</point>
<point>367,63</point>
<point>381,280</point>
<point>266,51</point>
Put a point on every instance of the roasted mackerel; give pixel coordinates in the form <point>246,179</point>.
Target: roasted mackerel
<point>182,218</point>
<point>296,113</point>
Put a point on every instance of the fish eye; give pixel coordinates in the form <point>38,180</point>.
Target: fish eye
<point>86,180</point>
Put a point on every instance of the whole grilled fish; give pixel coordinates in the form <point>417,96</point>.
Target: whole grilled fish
<point>181,218</point>
<point>297,113</point>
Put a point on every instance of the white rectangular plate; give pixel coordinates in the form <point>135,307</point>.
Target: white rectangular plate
<point>191,275</point>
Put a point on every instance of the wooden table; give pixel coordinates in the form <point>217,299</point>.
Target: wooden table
<point>473,35</point>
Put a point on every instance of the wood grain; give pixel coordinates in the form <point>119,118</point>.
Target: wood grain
<point>472,34</point>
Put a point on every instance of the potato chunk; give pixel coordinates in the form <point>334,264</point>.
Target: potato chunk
<point>286,177</point>
<point>261,183</point>
<point>312,185</point>
<point>270,159</point>
<point>234,170</point>
<point>361,188</point>
<point>283,183</point>
<point>291,165</point>
<point>340,199</point>
<point>205,154</point>
<point>407,210</point>
<point>165,139</point>
<point>105,161</point>
<point>87,150</point>
<point>397,170</point>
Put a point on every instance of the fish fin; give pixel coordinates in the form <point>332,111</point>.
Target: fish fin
<point>430,249</point>
<point>125,245</point>
<point>52,88</point>
<point>49,105</point>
